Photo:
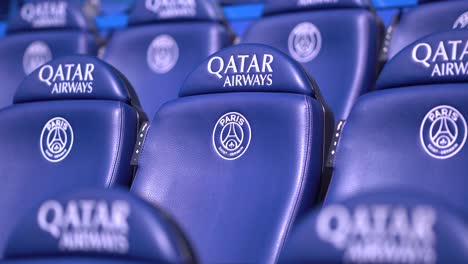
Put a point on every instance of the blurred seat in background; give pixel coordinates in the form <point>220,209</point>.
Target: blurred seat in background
<point>337,42</point>
<point>40,31</point>
<point>430,17</point>
<point>108,227</point>
<point>163,44</point>
<point>389,226</point>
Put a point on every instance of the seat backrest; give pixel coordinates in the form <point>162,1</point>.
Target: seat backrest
<point>337,42</point>
<point>72,125</point>
<point>97,226</point>
<point>40,31</point>
<point>428,18</point>
<point>238,156</point>
<point>165,41</point>
<point>412,134</point>
<point>384,227</point>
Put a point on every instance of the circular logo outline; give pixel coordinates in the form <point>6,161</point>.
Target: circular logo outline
<point>461,22</point>
<point>422,130</point>
<point>315,38</point>
<point>34,50</point>
<point>49,145</point>
<point>153,54</point>
<point>225,142</point>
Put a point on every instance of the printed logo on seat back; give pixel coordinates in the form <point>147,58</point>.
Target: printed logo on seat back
<point>247,70</point>
<point>172,8</point>
<point>461,22</point>
<point>35,55</point>
<point>87,225</point>
<point>45,13</point>
<point>385,233</point>
<point>446,58</point>
<point>162,54</point>
<point>73,77</point>
<point>443,132</point>
<point>150,11</point>
<point>305,42</point>
<point>231,136</point>
<point>49,14</point>
<point>56,139</point>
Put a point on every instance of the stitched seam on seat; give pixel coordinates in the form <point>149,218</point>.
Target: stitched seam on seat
<point>337,149</point>
<point>118,148</point>
<point>298,194</point>
<point>143,147</point>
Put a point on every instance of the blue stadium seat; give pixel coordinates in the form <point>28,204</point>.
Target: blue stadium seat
<point>390,226</point>
<point>411,133</point>
<point>40,31</point>
<point>239,155</point>
<point>163,44</point>
<point>337,42</point>
<point>73,124</point>
<point>96,227</point>
<point>425,19</point>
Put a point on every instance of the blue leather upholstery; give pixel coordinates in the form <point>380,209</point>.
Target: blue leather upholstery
<point>412,134</point>
<point>72,125</point>
<point>238,156</point>
<point>390,226</point>
<point>337,43</point>
<point>96,226</point>
<point>40,31</point>
<point>426,19</point>
<point>163,44</point>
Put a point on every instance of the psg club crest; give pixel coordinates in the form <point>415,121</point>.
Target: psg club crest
<point>305,42</point>
<point>56,139</point>
<point>162,54</point>
<point>443,132</point>
<point>231,136</point>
